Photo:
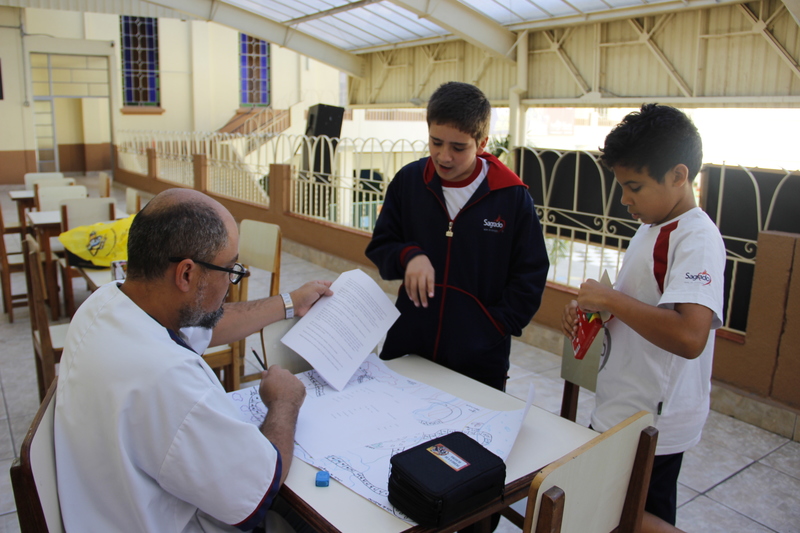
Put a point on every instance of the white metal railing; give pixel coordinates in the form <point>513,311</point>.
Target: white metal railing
<point>343,181</point>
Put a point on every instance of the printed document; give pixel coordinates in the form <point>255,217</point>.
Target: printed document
<point>340,331</point>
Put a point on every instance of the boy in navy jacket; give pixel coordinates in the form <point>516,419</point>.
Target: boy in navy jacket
<point>462,232</point>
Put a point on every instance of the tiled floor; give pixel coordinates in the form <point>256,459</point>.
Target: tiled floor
<point>738,479</point>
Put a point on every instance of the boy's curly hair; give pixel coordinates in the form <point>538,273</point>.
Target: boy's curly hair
<point>656,138</point>
<point>462,106</point>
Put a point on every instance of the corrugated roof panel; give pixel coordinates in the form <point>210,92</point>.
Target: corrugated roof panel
<point>556,8</point>
<point>509,11</point>
<point>275,10</point>
<point>337,34</point>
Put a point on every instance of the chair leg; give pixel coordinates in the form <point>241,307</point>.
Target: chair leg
<point>7,304</point>
<point>69,293</point>
<point>569,401</point>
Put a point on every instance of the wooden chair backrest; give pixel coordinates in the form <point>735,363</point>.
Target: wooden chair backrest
<point>40,183</point>
<point>33,474</point>
<point>86,211</point>
<point>49,198</point>
<point>260,247</point>
<point>604,482</point>
<point>104,184</point>
<point>133,201</point>
<point>30,177</point>
<point>37,302</point>
<point>277,353</point>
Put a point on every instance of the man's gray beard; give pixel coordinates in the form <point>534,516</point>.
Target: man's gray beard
<point>192,315</point>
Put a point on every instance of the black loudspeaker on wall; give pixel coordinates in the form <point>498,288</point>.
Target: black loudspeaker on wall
<point>322,120</point>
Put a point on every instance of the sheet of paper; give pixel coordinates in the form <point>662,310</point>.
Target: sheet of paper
<point>353,433</point>
<point>340,331</point>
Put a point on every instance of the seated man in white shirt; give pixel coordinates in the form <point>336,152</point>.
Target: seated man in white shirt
<point>146,438</point>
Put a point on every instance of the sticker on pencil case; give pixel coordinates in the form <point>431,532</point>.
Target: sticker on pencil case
<point>448,457</point>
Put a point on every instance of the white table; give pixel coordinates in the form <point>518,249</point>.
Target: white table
<point>25,201</point>
<point>544,437</point>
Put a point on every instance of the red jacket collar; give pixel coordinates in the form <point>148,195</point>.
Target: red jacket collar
<point>499,176</point>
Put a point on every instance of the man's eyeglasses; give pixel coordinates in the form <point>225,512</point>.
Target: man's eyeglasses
<point>235,274</point>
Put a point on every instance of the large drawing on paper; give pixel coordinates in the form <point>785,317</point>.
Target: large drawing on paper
<point>378,414</point>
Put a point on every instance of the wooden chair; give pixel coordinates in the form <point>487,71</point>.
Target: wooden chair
<point>33,473</point>
<point>224,359</point>
<point>51,182</point>
<point>599,487</point>
<point>277,353</point>
<point>48,340</point>
<point>104,184</point>
<point>259,247</point>
<point>80,212</point>
<point>133,201</point>
<point>31,177</point>
<point>49,198</point>
<point>10,263</point>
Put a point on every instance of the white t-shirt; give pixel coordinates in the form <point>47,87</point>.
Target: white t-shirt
<point>146,438</point>
<point>680,261</point>
<point>456,195</point>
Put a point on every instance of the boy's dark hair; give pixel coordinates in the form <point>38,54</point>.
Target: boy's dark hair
<point>462,106</point>
<point>656,138</point>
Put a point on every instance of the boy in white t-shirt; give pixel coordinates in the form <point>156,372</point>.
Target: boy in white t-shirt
<point>667,299</point>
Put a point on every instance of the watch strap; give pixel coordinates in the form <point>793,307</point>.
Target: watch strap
<point>288,306</point>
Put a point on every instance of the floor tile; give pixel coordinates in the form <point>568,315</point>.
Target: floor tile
<point>506,527</point>
<point>6,442</point>
<point>532,358</point>
<point>764,494</point>
<point>785,459</point>
<point>703,515</point>
<point>685,494</point>
<point>740,437</point>
<point>6,492</point>
<point>707,464</point>
<point>9,523</point>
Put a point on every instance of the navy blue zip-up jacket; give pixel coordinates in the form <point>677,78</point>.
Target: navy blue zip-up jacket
<point>490,274</point>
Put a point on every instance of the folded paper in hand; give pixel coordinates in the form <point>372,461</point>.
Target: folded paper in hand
<point>340,331</point>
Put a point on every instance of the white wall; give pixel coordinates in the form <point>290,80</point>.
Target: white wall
<point>17,130</point>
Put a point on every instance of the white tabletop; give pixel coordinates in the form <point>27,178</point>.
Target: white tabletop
<point>96,276</point>
<point>40,218</point>
<point>544,437</point>
<point>36,218</point>
<point>21,195</point>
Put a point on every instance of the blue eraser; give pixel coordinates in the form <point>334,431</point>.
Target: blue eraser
<point>323,478</point>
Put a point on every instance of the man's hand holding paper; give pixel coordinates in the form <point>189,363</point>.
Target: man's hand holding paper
<point>341,330</point>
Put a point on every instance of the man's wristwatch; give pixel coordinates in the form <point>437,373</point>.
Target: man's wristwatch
<point>288,305</point>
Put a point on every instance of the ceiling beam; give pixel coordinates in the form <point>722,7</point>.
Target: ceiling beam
<point>466,23</point>
<point>269,30</point>
<point>622,13</point>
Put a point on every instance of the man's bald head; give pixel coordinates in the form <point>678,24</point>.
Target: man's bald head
<point>180,223</point>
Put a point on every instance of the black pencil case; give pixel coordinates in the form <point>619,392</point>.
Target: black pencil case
<point>438,481</point>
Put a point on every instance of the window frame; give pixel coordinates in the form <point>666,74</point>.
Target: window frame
<point>255,65</point>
